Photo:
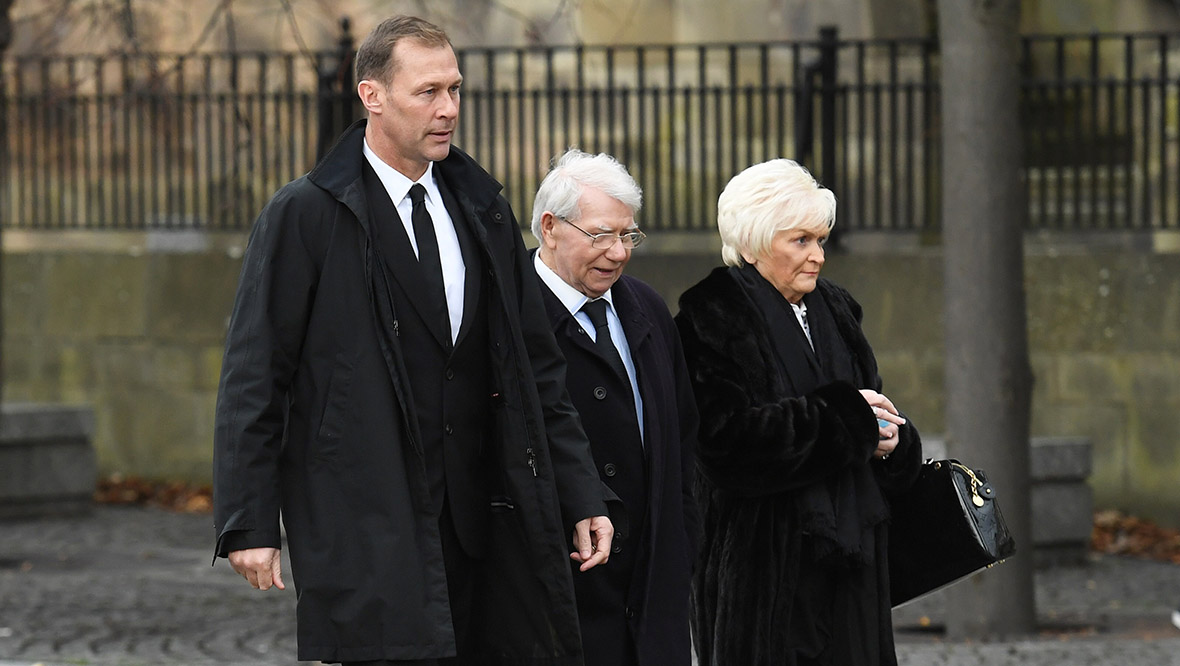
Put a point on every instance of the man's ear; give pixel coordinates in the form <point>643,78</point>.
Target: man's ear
<point>548,221</point>
<point>372,95</point>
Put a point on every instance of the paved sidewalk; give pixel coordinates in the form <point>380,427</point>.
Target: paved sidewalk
<point>133,586</point>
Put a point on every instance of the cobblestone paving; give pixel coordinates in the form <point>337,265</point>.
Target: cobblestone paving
<point>134,587</point>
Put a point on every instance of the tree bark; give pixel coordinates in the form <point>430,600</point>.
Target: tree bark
<point>988,376</point>
<point>5,40</point>
<point>5,24</point>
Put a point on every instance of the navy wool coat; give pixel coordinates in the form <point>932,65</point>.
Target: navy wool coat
<point>643,590</point>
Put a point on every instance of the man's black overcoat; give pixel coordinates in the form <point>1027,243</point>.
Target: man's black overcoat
<point>653,604</point>
<point>314,416</point>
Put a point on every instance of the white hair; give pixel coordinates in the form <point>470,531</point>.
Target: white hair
<point>575,171</point>
<point>765,199</point>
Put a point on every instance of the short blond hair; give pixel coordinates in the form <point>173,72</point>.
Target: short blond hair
<point>765,199</point>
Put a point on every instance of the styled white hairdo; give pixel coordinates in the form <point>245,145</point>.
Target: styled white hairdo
<point>765,199</point>
<point>574,171</point>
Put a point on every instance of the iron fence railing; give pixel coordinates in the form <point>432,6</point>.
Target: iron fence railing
<point>174,141</point>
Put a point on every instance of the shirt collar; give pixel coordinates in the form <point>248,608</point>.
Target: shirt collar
<point>571,298</point>
<point>396,183</point>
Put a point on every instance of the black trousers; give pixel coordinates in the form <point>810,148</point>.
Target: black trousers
<point>461,584</point>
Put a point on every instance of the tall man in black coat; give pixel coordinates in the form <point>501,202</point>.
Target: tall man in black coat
<point>628,379</point>
<point>389,383</point>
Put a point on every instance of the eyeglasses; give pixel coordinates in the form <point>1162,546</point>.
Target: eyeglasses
<point>605,241</point>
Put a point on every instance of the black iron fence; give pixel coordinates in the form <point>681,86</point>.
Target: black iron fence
<point>176,141</point>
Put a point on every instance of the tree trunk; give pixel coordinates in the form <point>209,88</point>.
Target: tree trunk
<point>5,24</point>
<point>988,377</point>
<point>5,40</point>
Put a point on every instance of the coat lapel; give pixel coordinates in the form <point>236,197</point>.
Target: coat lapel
<point>393,242</point>
<point>636,325</point>
<point>638,329</point>
<point>471,257</point>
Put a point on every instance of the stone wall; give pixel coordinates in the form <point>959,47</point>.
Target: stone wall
<point>136,330</point>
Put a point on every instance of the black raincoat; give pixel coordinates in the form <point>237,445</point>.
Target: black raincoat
<point>315,417</point>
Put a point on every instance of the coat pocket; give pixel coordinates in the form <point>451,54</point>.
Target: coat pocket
<point>334,418</point>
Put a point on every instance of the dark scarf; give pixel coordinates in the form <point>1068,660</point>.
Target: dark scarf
<point>841,512</point>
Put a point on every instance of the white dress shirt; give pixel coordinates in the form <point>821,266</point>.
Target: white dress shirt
<point>453,269</point>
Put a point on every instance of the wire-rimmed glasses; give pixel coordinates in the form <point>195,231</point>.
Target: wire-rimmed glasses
<point>603,241</point>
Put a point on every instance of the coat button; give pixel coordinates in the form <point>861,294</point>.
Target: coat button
<point>450,374</point>
<point>620,536</point>
<point>629,613</point>
<point>609,469</point>
<point>616,548</point>
<point>448,429</point>
<point>600,393</point>
<point>497,215</point>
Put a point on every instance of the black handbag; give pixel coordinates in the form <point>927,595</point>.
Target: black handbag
<point>947,526</point>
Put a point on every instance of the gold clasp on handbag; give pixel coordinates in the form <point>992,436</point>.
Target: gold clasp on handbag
<point>976,499</point>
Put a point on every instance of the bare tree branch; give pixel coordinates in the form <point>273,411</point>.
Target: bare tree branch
<point>534,29</point>
<point>290,13</point>
<point>210,25</point>
<point>127,21</point>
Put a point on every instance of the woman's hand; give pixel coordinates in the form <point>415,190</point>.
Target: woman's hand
<point>889,420</point>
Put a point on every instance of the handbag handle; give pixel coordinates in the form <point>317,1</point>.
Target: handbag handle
<point>976,498</point>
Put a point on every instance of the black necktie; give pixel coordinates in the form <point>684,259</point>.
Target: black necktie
<point>428,259</point>
<point>596,310</point>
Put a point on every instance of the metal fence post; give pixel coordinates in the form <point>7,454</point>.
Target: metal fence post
<point>336,95</point>
<point>828,54</point>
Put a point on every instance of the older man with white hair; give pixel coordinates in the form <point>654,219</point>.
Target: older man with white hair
<point>629,382</point>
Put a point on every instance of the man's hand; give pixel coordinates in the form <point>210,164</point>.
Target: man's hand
<point>589,552</point>
<point>261,567</point>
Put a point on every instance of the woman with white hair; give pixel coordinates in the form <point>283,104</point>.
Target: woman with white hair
<point>798,447</point>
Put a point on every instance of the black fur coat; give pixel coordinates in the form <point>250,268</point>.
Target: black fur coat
<point>793,565</point>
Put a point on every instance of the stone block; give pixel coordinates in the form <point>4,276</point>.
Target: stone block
<point>98,295</point>
<point>21,363</point>
<point>1062,513</point>
<point>47,465</point>
<point>209,367</point>
<point>1078,374</point>
<point>147,431</point>
<point>192,295</point>
<point>895,290</point>
<point>174,367</point>
<point>1151,300</point>
<point>124,366</point>
<point>24,294</point>
<point>1060,459</point>
<point>1077,302</point>
<point>1155,374</point>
